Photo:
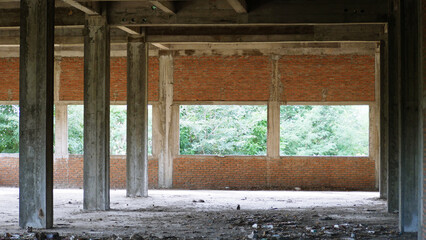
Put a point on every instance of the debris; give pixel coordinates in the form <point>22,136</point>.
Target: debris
<point>238,207</point>
<point>297,188</point>
<point>254,225</point>
<point>269,226</point>
<point>336,226</point>
<point>326,218</point>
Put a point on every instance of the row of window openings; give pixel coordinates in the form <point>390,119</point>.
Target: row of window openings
<point>305,130</point>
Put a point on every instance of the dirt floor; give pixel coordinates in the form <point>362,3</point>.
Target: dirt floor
<point>183,214</point>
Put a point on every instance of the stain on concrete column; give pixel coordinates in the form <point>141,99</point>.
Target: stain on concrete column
<point>36,114</point>
<point>96,113</point>
<point>137,117</point>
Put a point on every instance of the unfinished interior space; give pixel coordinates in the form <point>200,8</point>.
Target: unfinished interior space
<point>128,78</point>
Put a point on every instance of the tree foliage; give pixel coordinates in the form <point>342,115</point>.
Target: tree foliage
<point>75,129</point>
<point>324,130</point>
<point>9,128</point>
<point>223,130</point>
<point>118,126</point>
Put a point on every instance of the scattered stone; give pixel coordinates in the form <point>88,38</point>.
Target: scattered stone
<point>297,188</point>
<point>254,225</point>
<point>238,207</point>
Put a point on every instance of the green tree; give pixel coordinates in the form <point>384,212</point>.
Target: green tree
<point>9,128</point>
<point>118,125</point>
<point>324,130</point>
<point>223,130</point>
<point>75,129</point>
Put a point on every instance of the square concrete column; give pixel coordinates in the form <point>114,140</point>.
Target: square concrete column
<point>36,114</point>
<point>96,113</point>
<point>165,128</point>
<point>61,131</point>
<point>137,117</point>
<point>391,93</point>
<point>411,117</point>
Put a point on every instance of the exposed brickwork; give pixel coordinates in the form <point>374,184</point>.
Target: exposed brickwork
<point>9,170</point>
<point>72,79</point>
<point>340,173</point>
<point>217,78</point>
<point>9,79</point>
<point>327,78</point>
<point>68,172</point>
<point>225,78</point>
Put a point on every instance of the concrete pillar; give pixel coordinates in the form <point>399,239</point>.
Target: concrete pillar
<point>411,118</point>
<point>166,125</point>
<point>273,137</point>
<point>61,131</point>
<point>381,168</point>
<point>36,114</point>
<point>96,113</point>
<point>137,117</point>
<point>391,93</point>
<point>384,119</point>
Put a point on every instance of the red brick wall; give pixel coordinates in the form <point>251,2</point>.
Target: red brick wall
<point>226,78</point>
<point>68,172</point>
<point>9,79</point>
<point>248,78</point>
<point>327,78</point>
<point>72,79</point>
<point>339,173</point>
<point>9,170</point>
<point>217,78</point>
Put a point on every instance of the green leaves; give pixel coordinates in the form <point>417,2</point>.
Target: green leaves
<point>9,128</point>
<point>223,130</point>
<point>324,130</point>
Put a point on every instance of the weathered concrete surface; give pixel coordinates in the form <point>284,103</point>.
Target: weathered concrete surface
<point>166,146</point>
<point>392,95</point>
<point>411,118</point>
<point>137,117</point>
<point>96,114</point>
<point>61,131</point>
<point>381,168</point>
<point>273,136</point>
<point>36,114</point>
<point>384,120</point>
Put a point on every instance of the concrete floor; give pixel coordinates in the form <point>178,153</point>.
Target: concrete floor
<point>179,214</point>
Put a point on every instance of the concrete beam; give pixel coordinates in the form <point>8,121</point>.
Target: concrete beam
<point>96,114</point>
<point>129,30</point>
<point>81,7</point>
<point>165,6</point>
<point>160,46</point>
<point>240,6</point>
<point>36,114</point>
<point>137,117</point>
<point>272,34</point>
<point>268,12</point>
